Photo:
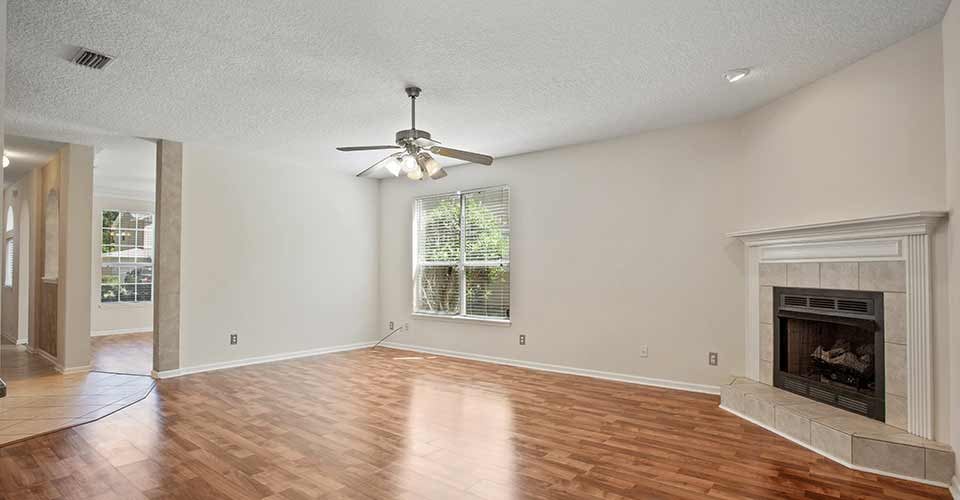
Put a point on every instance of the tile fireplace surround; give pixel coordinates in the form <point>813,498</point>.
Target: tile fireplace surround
<point>883,254</point>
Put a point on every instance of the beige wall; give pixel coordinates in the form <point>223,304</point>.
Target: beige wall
<point>286,256</point>
<point>106,319</point>
<point>16,312</point>
<point>951,77</point>
<point>614,245</point>
<point>73,288</point>
<point>862,142</point>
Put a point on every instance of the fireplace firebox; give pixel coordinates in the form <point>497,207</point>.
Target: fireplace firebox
<point>828,346</point>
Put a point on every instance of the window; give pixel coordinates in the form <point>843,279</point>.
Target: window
<point>8,264</point>
<point>9,227</point>
<point>126,256</point>
<point>462,262</point>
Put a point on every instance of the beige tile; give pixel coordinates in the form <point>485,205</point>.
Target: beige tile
<point>856,424</point>
<point>907,439</point>
<point>895,317</point>
<point>939,465</point>
<point>39,426</point>
<point>732,399</point>
<point>887,276</point>
<point>840,275</point>
<point>766,372</point>
<point>894,369</point>
<point>804,275</point>
<point>48,412</point>
<point>766,342</point>
<point>792,424</point>
<point>831,441</point>
<point>814,410</point>
<point>761,411</point>
<point>766,305</point>
<point>895,408</point>
<point>773,274</point>
<point>888,457</point>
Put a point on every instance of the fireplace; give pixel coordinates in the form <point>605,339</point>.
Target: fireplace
<point>828,346</point>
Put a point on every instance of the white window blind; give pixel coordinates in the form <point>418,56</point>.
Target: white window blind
<point>462,265</point>
<point>8,267</point>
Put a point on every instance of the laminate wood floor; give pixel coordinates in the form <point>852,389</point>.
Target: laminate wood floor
<point>130,353</point>
<point>383,424</point>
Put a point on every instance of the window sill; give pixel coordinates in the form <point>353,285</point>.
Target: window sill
<point>464,319</point>
<point>126,304</point>
<point>50,280</point>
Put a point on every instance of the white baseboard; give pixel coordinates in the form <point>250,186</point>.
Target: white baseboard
<point>179,372</point>
<point>619,377</point>
<point>836,459</point>
<point>121,331</point>
<point>14,339</point>
<point>58,366</point>
<point>955,487</point>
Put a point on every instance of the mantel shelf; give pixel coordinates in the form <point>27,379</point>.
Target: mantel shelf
<point>870,227</point>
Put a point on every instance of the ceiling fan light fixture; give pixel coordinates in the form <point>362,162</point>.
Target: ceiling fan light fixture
<point>6,161</point>
<point>415,174</point>
<point>394,166</point>
<point>410,164</point>
<point>428,164</point>
<point>439,174</point>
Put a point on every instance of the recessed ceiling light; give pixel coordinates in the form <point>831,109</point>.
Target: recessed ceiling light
<point>6,161</point>
<point>735,75</point>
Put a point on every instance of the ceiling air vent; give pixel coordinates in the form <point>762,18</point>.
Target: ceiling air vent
<point>91,59</point>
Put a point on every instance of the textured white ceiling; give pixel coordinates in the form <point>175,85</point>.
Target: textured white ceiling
<point>291,80</point>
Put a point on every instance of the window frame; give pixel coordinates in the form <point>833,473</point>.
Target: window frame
<point>121,265</point>
<point>462,264</point>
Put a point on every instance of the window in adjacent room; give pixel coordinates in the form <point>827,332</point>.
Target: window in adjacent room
<point>126,256</point>
<point>462,261</point>
<point>8,264</point>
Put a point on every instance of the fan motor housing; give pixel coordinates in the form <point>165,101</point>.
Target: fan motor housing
<point>408,135</point>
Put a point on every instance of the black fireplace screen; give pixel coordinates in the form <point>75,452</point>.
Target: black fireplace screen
<point>828,346</point>
<point>831,353</point>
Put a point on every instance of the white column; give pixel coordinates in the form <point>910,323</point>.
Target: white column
<point>919,344</point>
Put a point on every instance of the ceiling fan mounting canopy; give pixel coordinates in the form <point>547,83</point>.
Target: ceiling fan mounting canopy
<point>414,159</point>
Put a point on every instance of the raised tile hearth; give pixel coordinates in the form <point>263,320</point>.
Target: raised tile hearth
<point>853,440</point>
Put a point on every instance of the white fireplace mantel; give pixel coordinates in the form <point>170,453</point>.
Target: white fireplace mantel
<point>903,237</point>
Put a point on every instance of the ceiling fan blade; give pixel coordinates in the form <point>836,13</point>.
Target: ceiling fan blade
<point>380,163</point>
<point>462,155</point>
<point>365,148</point>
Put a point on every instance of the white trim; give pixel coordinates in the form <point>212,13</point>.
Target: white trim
<point>870,227</point>
<point>52,280</point>
<point>955,487</point>
<point>122,331</point>
<point>179,372</point>
<point>465,319</point>
<point>861,250</point>
<point>619,377</point>
<point>58,366</point>
<point>74,369</point>
<point>836,459</point>
<point>14,340</point>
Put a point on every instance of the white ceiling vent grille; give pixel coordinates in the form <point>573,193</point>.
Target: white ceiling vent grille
<point>91,59</point>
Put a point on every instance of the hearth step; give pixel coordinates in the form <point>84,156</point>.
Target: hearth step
<point>853,440</point>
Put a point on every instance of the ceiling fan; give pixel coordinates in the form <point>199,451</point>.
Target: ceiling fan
<point>415,147</point>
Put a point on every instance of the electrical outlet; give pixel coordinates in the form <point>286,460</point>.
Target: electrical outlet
<point>712,359</point>
<point>643,351</point>
<point>523,340</point>
<point>406,327</point>
<point>390,325</point>
<point>233,339</point>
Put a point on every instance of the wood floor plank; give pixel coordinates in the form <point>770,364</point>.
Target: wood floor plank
<point>388,424</point>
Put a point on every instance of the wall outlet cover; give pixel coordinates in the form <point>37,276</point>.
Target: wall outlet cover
<point>644,352</point>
